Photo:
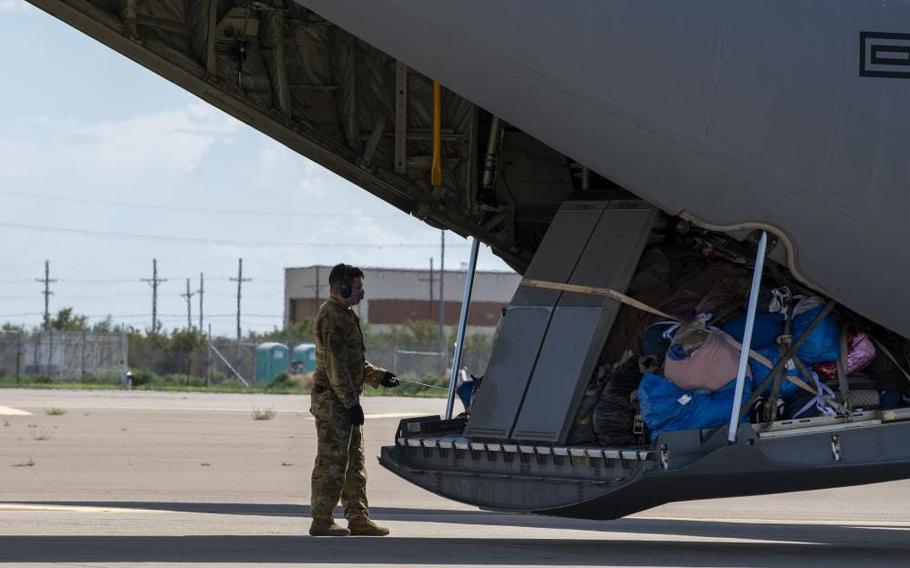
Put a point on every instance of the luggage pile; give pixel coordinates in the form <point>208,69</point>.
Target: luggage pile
<point>808,357</point>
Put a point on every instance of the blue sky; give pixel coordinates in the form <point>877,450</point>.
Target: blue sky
<point>95,149</point>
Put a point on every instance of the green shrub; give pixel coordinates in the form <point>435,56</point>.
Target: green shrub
<point>218,377</point>
<point>142,377</point>
<point>180,379</point>
<point>281,381</point>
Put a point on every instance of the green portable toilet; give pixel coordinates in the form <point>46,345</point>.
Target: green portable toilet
<point>271,360</point>
<point>303,358</point>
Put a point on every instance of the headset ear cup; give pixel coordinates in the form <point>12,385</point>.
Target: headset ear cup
<point>345,289</point>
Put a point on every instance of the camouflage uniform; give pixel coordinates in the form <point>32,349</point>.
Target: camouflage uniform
<point>337,385</point>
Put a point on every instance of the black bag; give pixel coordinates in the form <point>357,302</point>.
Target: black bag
<point>614,415</point>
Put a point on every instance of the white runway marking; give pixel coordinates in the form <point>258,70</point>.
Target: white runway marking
<point>7,411</point>
<point>894,525</point>
<point>72,508</point>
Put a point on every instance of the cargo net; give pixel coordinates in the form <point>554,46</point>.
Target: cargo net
<point>64,356</point>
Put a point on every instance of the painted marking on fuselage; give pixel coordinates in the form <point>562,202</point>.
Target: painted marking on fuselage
<point>884,54</point>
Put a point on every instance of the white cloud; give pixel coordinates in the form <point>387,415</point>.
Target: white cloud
<point>171,140</point>
<point>312,182</point>
<point>155,147</point>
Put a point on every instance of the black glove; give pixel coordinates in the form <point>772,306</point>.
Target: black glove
<point>357,418</point>
<point>389,380</point>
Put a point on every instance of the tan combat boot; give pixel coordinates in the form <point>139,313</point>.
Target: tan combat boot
<point>322,528</point>
<point>366,527</point>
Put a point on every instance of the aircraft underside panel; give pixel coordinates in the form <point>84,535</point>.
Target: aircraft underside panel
<point>550,341</point>
<point>786,115</point>
<point>336,100</point>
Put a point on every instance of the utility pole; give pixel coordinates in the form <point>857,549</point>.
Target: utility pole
<point>189,296</point>
<point>47,293</point>
<point>208,358</point>
<point>431,280</point>
<point>442,300</point>
<point>154,281</point>
<point>201,294</point>
<point>240,280</point>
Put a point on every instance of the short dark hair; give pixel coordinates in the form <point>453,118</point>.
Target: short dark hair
<point>342,272</point>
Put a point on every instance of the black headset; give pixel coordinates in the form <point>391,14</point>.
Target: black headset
<point>344,287</point>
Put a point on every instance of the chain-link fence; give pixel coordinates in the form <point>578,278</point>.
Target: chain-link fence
<point>192,359</point>
<point>228,360</point>
<point>63,355</point>
<point>224,360</point>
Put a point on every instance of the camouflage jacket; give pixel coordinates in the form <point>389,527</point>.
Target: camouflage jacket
<point>340,363</point>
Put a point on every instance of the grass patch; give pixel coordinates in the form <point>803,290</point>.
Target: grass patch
<point>283,384</point>
<point>263,413</point>
<point>54,411</point>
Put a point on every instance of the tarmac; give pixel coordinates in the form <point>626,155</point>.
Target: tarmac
<point>189,479</point>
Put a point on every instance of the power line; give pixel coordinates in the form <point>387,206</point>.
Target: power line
<point>96,296</point>
<point>80,264</point>
<point>61,198</point>
<point>209,242</point>
<point>245,315</point>
<point>145,315</point>
<point>20,315</point>
<point>96,280</point>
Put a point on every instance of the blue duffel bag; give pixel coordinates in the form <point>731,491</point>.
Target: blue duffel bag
<point>765,331</point>
<point>667,408</point>
<point>823,344</point>
<point>760,371</point>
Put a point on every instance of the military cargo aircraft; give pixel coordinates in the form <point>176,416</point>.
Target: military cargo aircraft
<point>567,136</point>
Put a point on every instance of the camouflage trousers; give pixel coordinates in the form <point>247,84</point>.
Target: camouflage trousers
<point>340,471</point>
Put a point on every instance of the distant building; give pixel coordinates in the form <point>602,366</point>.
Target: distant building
<point>395,295</point>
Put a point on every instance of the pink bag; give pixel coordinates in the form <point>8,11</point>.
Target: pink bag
<point>860,352</point>
<point>709,366</point>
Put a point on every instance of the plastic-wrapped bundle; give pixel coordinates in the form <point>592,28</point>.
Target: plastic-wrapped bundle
<point>860,352</point>
<point>701,359</point>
